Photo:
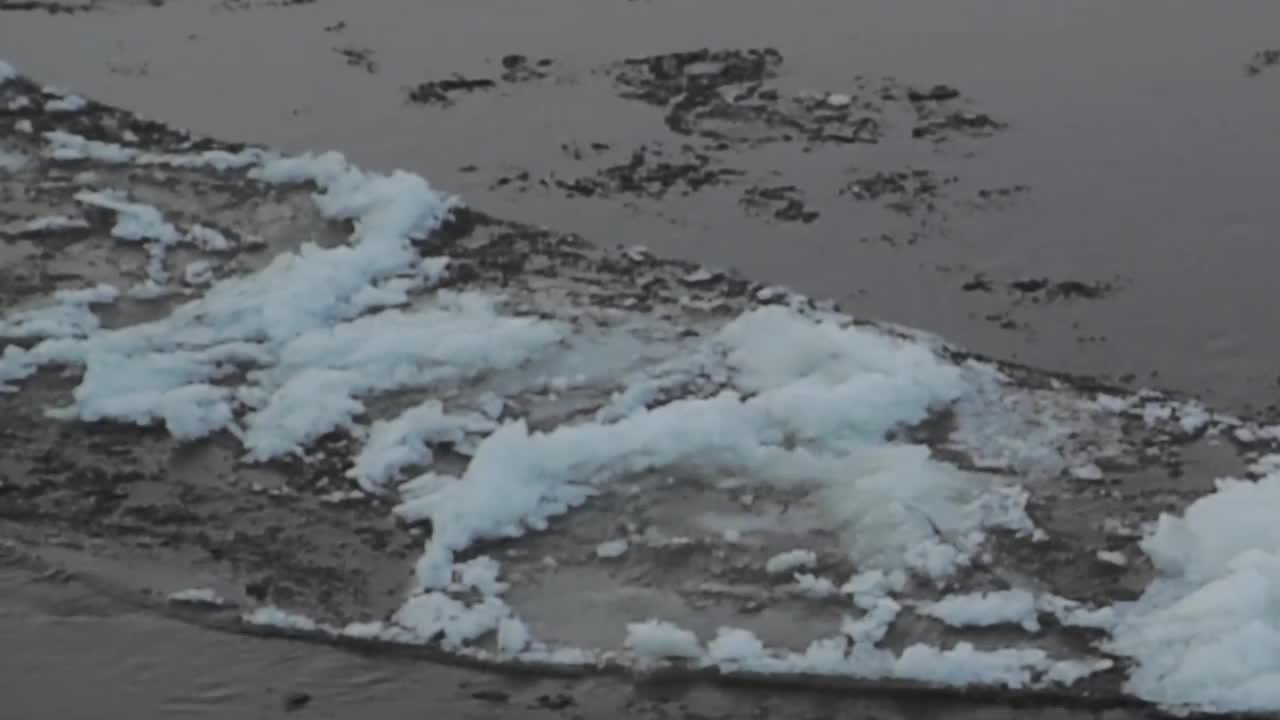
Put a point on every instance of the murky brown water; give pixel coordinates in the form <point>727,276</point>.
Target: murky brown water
<point>1151,156</point>
<point>1152,162</point>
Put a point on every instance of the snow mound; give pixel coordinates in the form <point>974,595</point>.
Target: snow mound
<point>1207,634</point>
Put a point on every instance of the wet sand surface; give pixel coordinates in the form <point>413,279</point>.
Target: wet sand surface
<point>1114,220</point>
<point>1139,158</point>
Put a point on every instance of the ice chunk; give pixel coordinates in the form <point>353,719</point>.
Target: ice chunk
<point>396,444</point>
<point>1207,634</point>
<point>655,640</point>
<point>965,665</point>
<point>612,549</point>
<point>790,560</point>
<point>436,615</point>
<point>197,596</point>
<point>11,162</point>
<point>275,617</point>
<point>513,636</point>
<point>1113,557</point>
<point>7,72</point>
<point>874,624</point>
<point>66,103</point>
<point>736,648</point>
<point>985,609</point>
<point>48,223</point>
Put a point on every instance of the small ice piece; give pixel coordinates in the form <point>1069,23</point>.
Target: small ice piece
<point>986,609</point>
<point>732,536</point>
<point>653,641</point>
<point>11,162</point>
<point>24,126</point>
<point>396,444</point>
<point>513,636</point>
<point>1090,472</point>
<point>272,616</point>
<point>48,223</point>
<point>815,586</point>
<point>1113,557</point>
<point>7,72</point>
<point>208,239</point>
<point>874,624</point>
<point>735,648</point>
<point>868,588</point>
<point>700,275</point>
<point>479,574</point>
<point>66,103</point>
<point>434,269</point>
<point>198,272</point>
<point>786,562</point>
<point>66,146</point>
<point>612,549</point>
<point>434,614</point>
<point>197,596</point>
<point>134,221</point>
<point>839,100</point>
<point>965,665</point>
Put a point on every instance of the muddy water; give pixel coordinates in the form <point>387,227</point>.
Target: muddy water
<point>1150,155</point>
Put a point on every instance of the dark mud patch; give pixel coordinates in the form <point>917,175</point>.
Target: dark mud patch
<point>1262,61</point>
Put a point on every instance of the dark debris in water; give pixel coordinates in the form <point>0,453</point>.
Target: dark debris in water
<point>516,69</point>
<point>903,191</point>
<point>724,95</point>
<point>359,58</point>
<point>52,8</point>
<point>1262,60</point>
<point>650,171</point>
<point>1042,289</point>
<point>784,203</point>
<point>440,92</point>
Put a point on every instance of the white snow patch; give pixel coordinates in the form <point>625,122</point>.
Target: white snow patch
<point>208,239</point>
<point>965,665</point>
<point>875,622</point>
<point>12,162</point>
<point>24,125</point>
<point>197,596</point>
<point>1113,557</point>
<point>655,640</point>
<point>435,615</point>
<point>66,103</point>
<point>70,318</point>
<point>986,609</point>
<point>612,549</point>
<point>1207,633</point>
<point>736,648</point>
<point>513,636</point>
<point>1090,472</point>
<point>198,272</point>
<point>406,440</point>
<point>48,223</point>
<point>790,560</point>
<point>270,616</point>
<point>815,586</point>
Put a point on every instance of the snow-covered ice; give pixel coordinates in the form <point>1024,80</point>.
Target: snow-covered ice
<point>657,640</point>
<point>988,608</point>
<point>497,416</point>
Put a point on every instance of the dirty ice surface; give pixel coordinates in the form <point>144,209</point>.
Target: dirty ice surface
<point>725,477</point>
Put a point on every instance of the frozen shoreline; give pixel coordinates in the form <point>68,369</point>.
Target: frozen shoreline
<point>277,356</point>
